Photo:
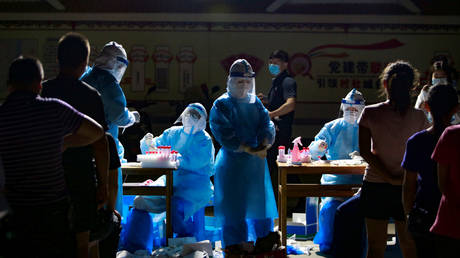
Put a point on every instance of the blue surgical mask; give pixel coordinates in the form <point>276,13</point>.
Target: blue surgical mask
<point>453,119</point>
<point>442,81</point>
<point>274,69</point>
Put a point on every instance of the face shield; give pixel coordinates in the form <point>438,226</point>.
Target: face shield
<point>113,59</point>
<point>352,106</point>
<point>241,84</point>
<point>193,118</point>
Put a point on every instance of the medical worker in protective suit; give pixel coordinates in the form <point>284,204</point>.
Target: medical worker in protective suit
<point>105,77</point>
<point>337,139</point>
<point>192,187</point>
<point>243,192</point>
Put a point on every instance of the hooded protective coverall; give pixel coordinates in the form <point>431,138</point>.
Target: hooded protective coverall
<point>336,140</point>
<point>192,187</point>
<point>243,191</point>
<point>105,77</point>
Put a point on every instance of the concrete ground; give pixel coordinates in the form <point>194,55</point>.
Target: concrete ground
<point>392,251</point>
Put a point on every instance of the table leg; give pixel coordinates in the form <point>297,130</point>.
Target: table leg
<point>283,204</point>
<point>169,193</point>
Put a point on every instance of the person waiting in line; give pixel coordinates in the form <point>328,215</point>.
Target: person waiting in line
<point>446,227</point>
<point>108,225</point>
<point>192,186</point>
<point>440,73</point>
<point>421,195</point>
<point>243,192</point>
<point>281,106</point>
<point>33,133</point>
<point>109,68</point>
<point>383,131</point>
<point>81,171</point>
<point>337,139</point>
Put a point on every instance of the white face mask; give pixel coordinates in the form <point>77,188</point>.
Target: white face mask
<point>188,123</point>
<point>351,113</point>
<point>350,116</point>
<point>442,81</point>
<point>240,89</point>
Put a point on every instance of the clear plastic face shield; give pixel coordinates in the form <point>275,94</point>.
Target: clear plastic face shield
<point>352,106</point>
<point>120,68</point>
<point>241,88</point>
<point>351,112</point>
<point>113,59</point>
<point>241,83</point>
<point>193,118</point>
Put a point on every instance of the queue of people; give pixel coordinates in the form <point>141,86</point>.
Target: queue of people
<point>61,160</point>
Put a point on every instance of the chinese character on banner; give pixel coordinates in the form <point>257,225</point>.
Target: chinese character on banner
<point>361,67</point>
<point>356,83</point>
<point>376,67</point>
<point>162,57</point>
<point>186,57</point>
<point>334,67</point>
<point>332,82</point>
<point>348,67</point>
<point>137,57</point>
<point>344,83</point>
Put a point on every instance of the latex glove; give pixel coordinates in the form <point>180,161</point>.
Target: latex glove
<point>260,151</point>
<point>137,116</point>
<point>146,143</point>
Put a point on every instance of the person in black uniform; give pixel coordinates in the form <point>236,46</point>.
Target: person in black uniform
<point>281,105</point>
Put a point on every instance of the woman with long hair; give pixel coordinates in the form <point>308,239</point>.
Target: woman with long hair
<point>383,131</point>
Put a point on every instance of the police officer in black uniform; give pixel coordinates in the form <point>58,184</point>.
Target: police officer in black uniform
<point>281,105</point>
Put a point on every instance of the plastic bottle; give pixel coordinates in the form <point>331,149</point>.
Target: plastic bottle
<point>295,154</point>
<point>305,155</point>
<point>281,154</point>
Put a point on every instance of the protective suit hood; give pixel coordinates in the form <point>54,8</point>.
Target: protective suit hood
<point>113,59</point>
<point>193,118</point>
<point>352,106</point>
<point>241,83</point>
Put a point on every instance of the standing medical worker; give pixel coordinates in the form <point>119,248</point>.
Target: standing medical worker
<point>105,77</point>
<point>243,191</point>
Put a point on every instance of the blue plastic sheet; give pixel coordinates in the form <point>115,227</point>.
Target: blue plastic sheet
<point>293,250</point>
<point>137,234</point>
<point>325,235</point>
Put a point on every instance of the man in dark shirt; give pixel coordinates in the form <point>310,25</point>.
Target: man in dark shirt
<point>281,106</point>
<point>33,133</point>
<point>73,54</point>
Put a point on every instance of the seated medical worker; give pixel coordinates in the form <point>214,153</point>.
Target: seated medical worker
<point>337,139</point>
<point>244,196</point>
<point>192,187</point>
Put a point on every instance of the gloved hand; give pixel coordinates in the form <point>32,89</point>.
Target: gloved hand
<point>148,138</point>
<point>146,143</point>
<point>260,151</point>
<point>137,116</point>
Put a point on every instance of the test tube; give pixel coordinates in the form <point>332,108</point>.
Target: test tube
<point>167,152</point>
